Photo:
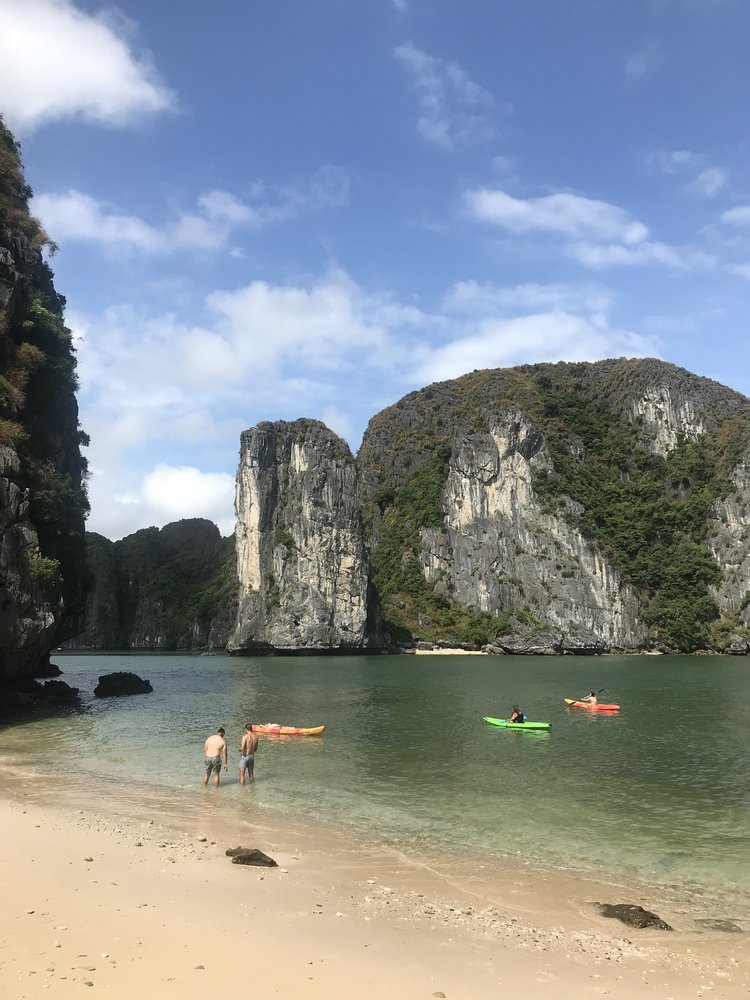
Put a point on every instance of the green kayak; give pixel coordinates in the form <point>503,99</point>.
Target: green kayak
<point>516,725</point>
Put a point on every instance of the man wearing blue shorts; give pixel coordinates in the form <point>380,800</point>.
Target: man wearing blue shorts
<point>247,753</point>
<point>215,748</point>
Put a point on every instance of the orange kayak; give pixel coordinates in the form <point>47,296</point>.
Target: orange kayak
<point>592,708</point>
<point>276,729</point>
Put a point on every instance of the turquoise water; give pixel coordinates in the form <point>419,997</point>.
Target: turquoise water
<point>659,792</point>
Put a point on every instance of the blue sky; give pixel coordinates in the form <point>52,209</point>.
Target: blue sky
<point>312,207</point>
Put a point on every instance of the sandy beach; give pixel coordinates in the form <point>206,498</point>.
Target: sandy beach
<point>127,905</point>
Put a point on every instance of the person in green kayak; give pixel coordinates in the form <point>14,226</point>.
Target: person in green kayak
<point>591,698</point>
<point>516,715</point>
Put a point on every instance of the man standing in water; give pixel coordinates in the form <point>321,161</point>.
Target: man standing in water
<point>215,748</point>
<point>247,753</point>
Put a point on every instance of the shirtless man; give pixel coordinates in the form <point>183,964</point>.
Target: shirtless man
<point>247,753</point>
<point>215,748</point>
<point>591,698</point>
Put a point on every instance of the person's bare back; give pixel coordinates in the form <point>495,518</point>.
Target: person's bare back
<point>215,750</point>
<point>249,743</point>
<point>214,746</point>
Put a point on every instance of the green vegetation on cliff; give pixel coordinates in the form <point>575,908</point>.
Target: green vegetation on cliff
<point>38,410</point>
<point>166,588</point>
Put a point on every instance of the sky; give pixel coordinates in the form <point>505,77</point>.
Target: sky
<point>310,208</point>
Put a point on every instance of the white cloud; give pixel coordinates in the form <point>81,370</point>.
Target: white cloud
<point>708,183</point>
<point>644,60</point>
<point>567,214</point>
<point>743,270</point>
<point>471,298</point>
<point>739,216</point>
<point>454,110</point>
<point>57,62</point>
<point>73,215</point>
<point>674,161</point>
<point>167,493</point>
<point>528,339</point>
<point>602,255</point>
<point>401,6</point>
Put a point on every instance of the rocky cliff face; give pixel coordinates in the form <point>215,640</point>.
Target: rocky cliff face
<point>301,557</point>
<point>499,549</point>
<point>42,500</point>
<point>594,505</point>
<point>160,589</point>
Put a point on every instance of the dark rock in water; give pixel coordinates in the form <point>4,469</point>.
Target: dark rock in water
<point>121,683</point>
<point>633,916</point>
<point>58,691</point>
<point>547,642</point>
<point>491,648</point>
<point>250,856</point>
<point>718,924</point>
<point>47,669</point>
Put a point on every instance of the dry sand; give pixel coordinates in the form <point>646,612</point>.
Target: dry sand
<point>97,903</point>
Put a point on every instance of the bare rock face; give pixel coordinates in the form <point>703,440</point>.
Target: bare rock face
<point>301,558</point>
<point>499,548</point>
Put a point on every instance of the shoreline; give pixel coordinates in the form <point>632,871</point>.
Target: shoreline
<point>123,897</point>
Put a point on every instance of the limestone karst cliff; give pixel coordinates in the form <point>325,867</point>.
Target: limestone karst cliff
<point>42,497</point>
<point>600,505</point>
<point>301,556</point>
<point>173,588</point>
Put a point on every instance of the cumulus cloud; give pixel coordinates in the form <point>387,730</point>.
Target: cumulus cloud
<point>527,339</point>
<point>644,60</point>
<point>738,216</point>
<point>83,66</point>
<point>708,182</point>
<point>166,493</point>
<point>598,234</point>
<point>567,214</point>
<point>76,216</point>
<point>454,110</point>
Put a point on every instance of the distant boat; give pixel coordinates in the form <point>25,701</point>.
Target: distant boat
<point>504,724</point>
<point>276,729</point>
<point>599,707</point>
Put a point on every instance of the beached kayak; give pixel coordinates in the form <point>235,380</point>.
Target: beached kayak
<point>592,708</point>
<point>276,729</point>
<point>516,725</point>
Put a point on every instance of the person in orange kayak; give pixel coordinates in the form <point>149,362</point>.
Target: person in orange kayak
<point>591,698</point>
<point>516,715</point>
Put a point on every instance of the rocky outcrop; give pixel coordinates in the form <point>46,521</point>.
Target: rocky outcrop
<point>499,549</point>
<point>301,557</point>
<point>42,499</point>
<point>121,683</point>
<point>160,589</point>
<point>633,915</point>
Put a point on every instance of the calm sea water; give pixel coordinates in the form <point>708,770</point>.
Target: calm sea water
<point>660,792</point>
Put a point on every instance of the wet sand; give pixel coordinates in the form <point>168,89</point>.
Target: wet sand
<point>123,901</point>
